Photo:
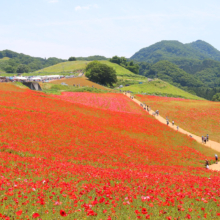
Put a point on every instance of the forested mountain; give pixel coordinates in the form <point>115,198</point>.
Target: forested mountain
<point>169,72</point>
<point>205,82</point>
<point>171,50</point>
<point>19,62</point>
<point>194,67</point>
<point>206,49</point>
<point>208,71</point>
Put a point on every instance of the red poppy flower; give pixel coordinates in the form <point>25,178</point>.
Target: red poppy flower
<point>144,211</point>
<point>35,215</point>
<point>63,213</point>
<point>19,212</point>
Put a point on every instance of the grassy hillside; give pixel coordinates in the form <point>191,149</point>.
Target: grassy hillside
<point>73,66</point>
<point>125,77</point>
<point>159,87</point>
<point>79,82</point>
<point>70,66</point>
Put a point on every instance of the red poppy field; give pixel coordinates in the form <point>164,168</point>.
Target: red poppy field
<point>199,117</point>
<point>97,160</point>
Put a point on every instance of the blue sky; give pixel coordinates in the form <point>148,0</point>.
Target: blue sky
<point>64,28</point>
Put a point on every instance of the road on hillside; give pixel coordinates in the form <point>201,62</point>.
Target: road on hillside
<point>212,144</point>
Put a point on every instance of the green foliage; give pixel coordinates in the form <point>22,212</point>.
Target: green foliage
<point>169,72</point>
<point>92,65</point>
<point>206,49</point>
<point>22,68</point>
<point>122,61</point>
<point>92,58</point>
<point>216,97</point>
<point>33,63</point>
<point>101,73</point>
<point>72,59</point>
<point>9,69</point>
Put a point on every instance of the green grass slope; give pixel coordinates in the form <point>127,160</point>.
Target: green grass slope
<point>65,67</point>
<point>4,59</point>
<point>159,87</point>
<point>73,66</point>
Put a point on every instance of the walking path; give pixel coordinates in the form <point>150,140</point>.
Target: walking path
<point>212,144</point>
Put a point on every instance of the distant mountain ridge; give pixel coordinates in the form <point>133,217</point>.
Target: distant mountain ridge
<point>171,50</point>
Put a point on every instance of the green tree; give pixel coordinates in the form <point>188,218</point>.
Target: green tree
<point>9,69</point>
<point>122,61</point>
<point>92,64</point>
<point>72,59</point>
<point>115,59</point>
<point>22,68</point>
<point>101,73</point>
<point>216,97</point>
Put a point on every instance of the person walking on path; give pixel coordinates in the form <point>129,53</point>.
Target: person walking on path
<point>207,137</point>
<point>173,123</point>
<point>177,128</point>
<point>202,139</point>
<point>167,122</point>
<point>216,158</point>
<point>207,164</point>
<point>205,140</point>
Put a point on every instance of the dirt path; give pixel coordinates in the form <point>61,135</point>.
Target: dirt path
<point>212,144</point>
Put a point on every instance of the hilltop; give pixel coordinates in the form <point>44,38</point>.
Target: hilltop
<point>79,66</point>
<point>170,50</point>
<point>14,60</point>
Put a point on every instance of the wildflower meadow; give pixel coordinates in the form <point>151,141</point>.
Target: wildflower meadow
<point>196,116</point>
<point>98,156</point>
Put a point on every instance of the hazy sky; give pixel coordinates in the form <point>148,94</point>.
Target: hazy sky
<point>64,28</point>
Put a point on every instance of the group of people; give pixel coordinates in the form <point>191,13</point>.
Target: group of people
<point>146,107</point>
<point>205,139</point>
<point>177,127</point>
<point>207,162</point>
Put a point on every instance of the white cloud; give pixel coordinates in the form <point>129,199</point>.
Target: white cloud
<point>79,8</point>
<point>53,1</point>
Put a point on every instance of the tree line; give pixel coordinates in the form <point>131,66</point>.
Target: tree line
<point>20,63</point>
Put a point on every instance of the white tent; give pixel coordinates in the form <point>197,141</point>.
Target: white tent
<point>20,77</point>
<point>35,78</point>
<point>53,76</point>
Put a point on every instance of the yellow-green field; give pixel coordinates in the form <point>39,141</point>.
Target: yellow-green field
<point>159,87</point>
<point>73,66</point>
<point>4,59</point>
